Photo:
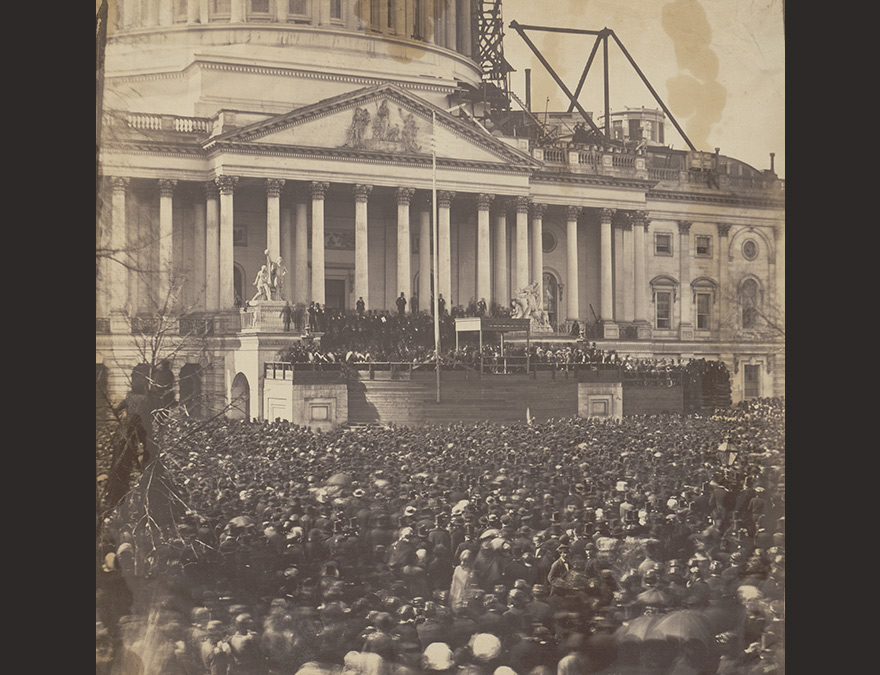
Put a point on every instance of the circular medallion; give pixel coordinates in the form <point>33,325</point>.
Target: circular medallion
<point>750,249</point>
<point>548,241</point>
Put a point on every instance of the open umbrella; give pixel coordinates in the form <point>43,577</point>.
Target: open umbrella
<point>684,625</point>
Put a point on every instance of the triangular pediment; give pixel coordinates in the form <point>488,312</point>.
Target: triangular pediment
<point>384,120</point>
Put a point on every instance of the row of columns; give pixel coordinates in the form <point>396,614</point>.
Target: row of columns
<point>213,258</point>
<point>214,243</point>
<point>443,22</point>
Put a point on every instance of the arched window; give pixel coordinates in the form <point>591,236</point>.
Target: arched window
<point>140,379</point>
<point>102,399</point>
<point>551,297</point>
<point>240,405</point>
<point>238,285</point>
<point>750,296</point>
<point>191,389</point>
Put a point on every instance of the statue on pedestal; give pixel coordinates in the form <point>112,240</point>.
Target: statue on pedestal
<point>264,290</point>
<point>526,306</point>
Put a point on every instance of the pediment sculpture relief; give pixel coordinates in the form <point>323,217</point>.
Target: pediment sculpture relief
<point>380,132</point>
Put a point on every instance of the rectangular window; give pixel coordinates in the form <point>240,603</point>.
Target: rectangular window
<point>704,302</point>
<point>663,301</point>
<point>660,132</point>
<point>298,7</point>
<point>704,246</point>
<point>223,7</point>
<point>617,129</point>
<point>635,130</point>
<point>336,9</point>
<point>752,381</point>
<point>662,243</point>
<point>259,6</point>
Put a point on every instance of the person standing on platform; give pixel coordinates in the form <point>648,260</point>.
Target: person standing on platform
<point>401,304</point>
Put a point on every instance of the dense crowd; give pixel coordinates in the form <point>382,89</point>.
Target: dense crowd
<point>648,545</point>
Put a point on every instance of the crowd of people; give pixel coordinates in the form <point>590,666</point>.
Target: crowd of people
<point>649,545</point>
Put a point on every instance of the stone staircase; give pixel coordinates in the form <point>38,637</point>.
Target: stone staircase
<point>464,397</point>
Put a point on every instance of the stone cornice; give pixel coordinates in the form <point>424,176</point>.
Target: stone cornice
<point>592,179</point>
<point>716,199</point>
<point>367,156</point>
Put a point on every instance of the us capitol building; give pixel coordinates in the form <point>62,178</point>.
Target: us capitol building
<point>317,133</point>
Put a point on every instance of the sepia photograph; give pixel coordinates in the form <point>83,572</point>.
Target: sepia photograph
<point>440,337</point>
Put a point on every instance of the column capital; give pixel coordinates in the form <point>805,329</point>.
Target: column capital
<point>226,184</point>
<point>318,190</point>
<point>484,201</point>
<point>538,210</point>
<point>522,204</point>
<point>405,196</point>
<point>211,190</point>
<point>573,212</point>
<point>607,215</point>
<point>684,226</point>
<point>274,186</point>
<point>723,229</point>
<point>119,183</point>
<point>362,192</point>
<point>166,187</point>
<point>641,218</point>
<point>445,197</point>
<point>624,220</point>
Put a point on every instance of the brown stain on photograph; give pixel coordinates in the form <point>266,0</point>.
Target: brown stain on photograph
<point>695,96</point>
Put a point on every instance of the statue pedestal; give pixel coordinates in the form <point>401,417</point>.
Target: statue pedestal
<point>536,328</point>
<point>610,330</point>
<point>264,316</point>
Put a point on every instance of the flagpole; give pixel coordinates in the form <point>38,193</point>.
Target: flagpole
<point>436,248</point>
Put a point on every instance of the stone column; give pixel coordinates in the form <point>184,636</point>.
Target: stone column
<point>502,278</point>
<point>226,184</point>
<point>192,11</point>
<point>117,276</point>
<point>301,251</point>
<point>572,296</point>
<point>484,256</point>
<point>410,28</point>
<point>450,33</point>
<point>465,12</point>
<point>537,268</point>
<point>686,326</point>
<point>425,256</point>
<point>640,283</point>
<point>212,247</point>
<point>444,247</point>
<point>404,248</point>
<point>319,191</point>
<point>521,278</point>
<point>427,28</point>
<point>198,268</point>
<point>273,216</point>
<point>286,253</point>
<point>625,273</point>
<point>166,243</point>
<point>237,11</point>
<point>606,305</point>
<point>166,11</point>
<point>361,257</point>
<point>150,14</point>
<point>723,262</point>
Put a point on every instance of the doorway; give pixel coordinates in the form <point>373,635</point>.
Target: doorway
<point>335,294</point>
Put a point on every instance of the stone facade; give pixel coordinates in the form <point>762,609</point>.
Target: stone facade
<point>210,158</point>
